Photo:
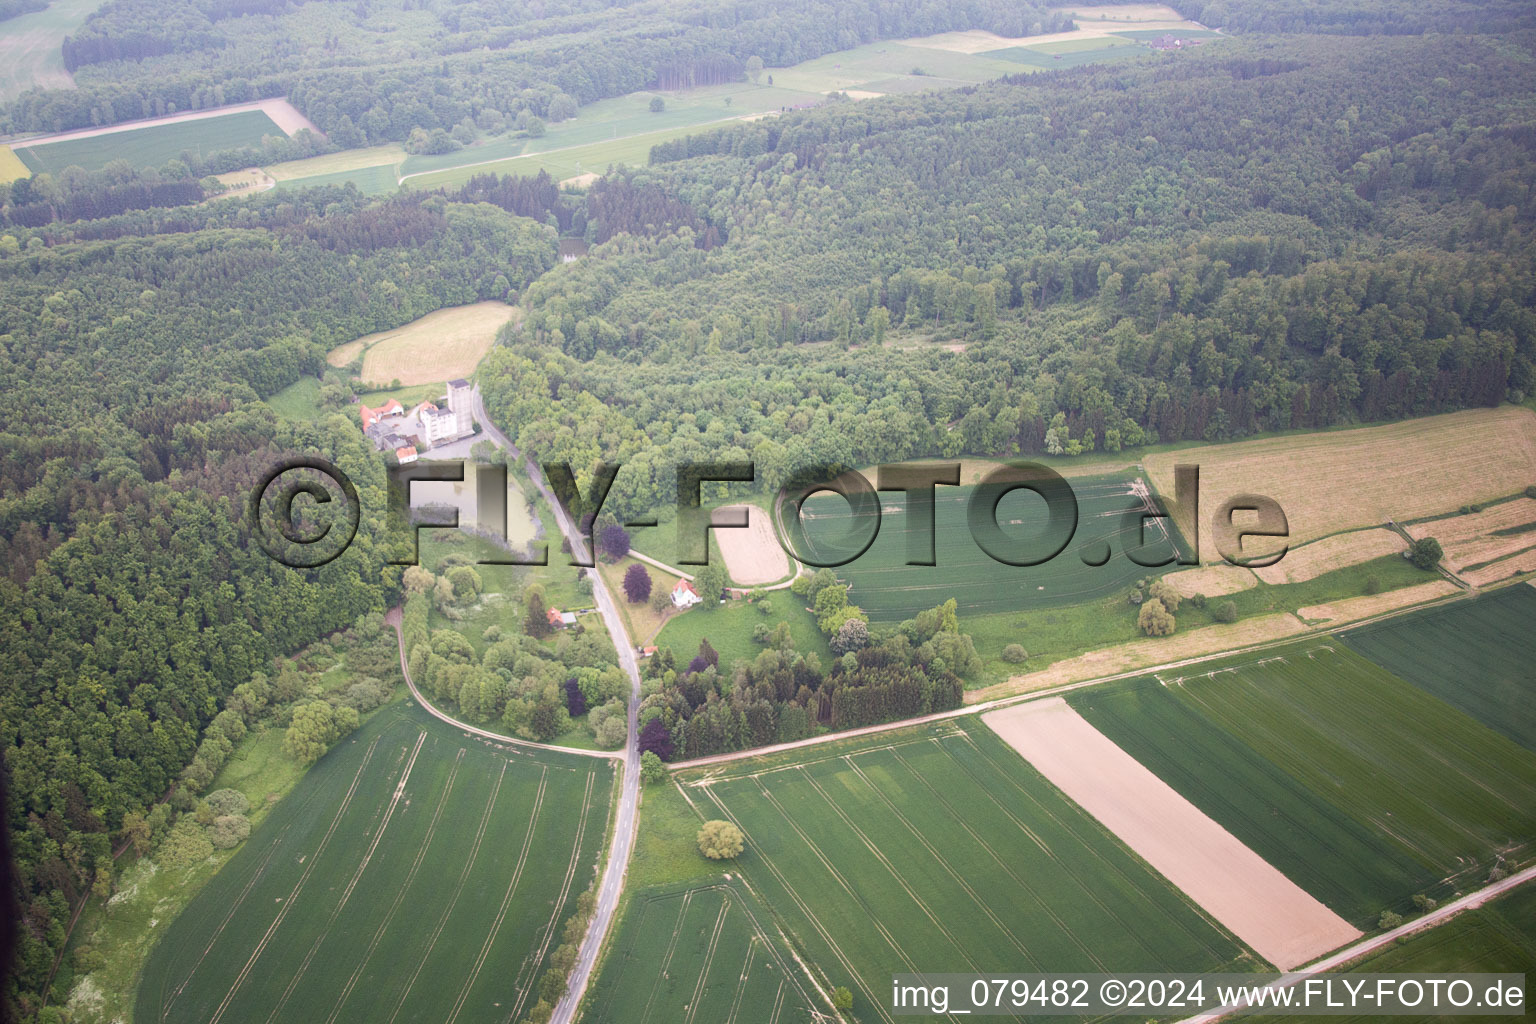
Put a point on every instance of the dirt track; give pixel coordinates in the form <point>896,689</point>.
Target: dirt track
<point>1281,921</point>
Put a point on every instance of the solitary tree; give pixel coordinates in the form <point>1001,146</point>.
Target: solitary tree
<point>658,104</point>
<point>652,768</point>
<point>637,583</point>
<point>842,998</point>
<point>721,840</point>
<point>614,541</point>
<point>755,68</point>
<point>1155,619</point>
<point>710,584</point>
<point>1426,553</point>
<point>1226,611</point>
<point>536,622</point>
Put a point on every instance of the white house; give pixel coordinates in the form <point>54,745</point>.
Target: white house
<point>684,596</point>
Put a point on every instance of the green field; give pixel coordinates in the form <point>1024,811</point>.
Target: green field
<point>152,146</point>
<point>299,401</point>
<point>705,955</point>
<point>890,590</point>
<point>1041,58</point>
<point>1475,655</point>
<point>940,849</point>
<point>1331,855</point>
<point>863,66</point>
<point>1499,937</point>
<point>413,874</point>
<point>31,54</point>
<point>1425,777</point>
<point>728,629</point>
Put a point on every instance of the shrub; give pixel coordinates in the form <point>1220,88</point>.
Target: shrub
<point>611,734</point>
<point>1226,612</point>
<point>1424,903</point>
<point>1198,600</point>
<point>228,801</point>
<point>842,998</point>
<point>721,840</point>
<point>1476,507</point>
<point>1530,492</point>
<point>186,844</point>
<point>229,831</point>
<point>1155,619</point>
<point>660,599</point>
<point>760,633</point>
<point>1389,920</point>
<point>652,768</point>
<point>1373,584</point>
<point>1015,653</point>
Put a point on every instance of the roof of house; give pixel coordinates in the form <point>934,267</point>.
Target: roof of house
<point>684,587</point>
<point>408,452</point>
<point>460,383</point>
<point>371,416</point>
<point>553,615</point>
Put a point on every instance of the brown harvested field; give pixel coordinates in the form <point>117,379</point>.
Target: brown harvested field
<point>1471,540</point>
<point>440,346</point>
<point>1339,480</point>
<point>1503,569</point>
<point>1212,580</point>
<point>752,555</point>
<point>1276,917</point>
<point>1337,552</point>
<point>1140,654</point>
<point>972,470</point>
<point>1352,608</point>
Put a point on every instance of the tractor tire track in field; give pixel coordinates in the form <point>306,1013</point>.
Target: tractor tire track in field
<point>298,887</point>
<point>800,904</point>
<point>741,980</point>
<point>943,862</point>
<point>357,874</point>
<point>885,862</point>
<point>532,963</point>
<point>421,855</point>
<point>506,900</point>
<point>666,961</point>
<point>709,958</point>
<point>453,899</point>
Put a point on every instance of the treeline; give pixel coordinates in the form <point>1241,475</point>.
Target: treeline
<point>1361,17</point>
<point>14,8</point>
<point>363,80</point>
<point>699,708</point>
<point>134,601</point>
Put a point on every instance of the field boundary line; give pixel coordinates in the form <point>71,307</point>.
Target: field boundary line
<point>448,905</point>
<point>297,888</point>
<point>421,855</point>
<point>565,889</point>
<point>357,875</point>
<point>506,900</point>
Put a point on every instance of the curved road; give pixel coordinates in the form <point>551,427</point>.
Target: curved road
<point>612,884</point>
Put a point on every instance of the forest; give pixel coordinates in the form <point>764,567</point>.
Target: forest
<point>1267,236</point>
<point>1272,233</point>
<point>377,70</point>
<point>133,601</point>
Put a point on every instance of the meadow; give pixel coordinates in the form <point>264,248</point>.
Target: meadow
<point>443,345</point>
<point>317,916</point>
<point>1336,858</point>
<point>728,628</point>
<point>890,590</point>
<point>697,954</point>
<point>938,848</point>
<point>1428,779</point>
<point>30,47</point>
<point>151,146</point>
<point>1474,655</point>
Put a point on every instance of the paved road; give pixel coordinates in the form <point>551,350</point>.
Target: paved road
<point>612,884</point>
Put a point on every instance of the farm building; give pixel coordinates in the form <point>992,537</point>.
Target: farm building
<point>392,429</point>
<point>684,596</point>
<point>560,619</point>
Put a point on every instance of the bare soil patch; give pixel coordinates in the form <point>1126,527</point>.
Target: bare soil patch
<point>1340,480</point>
<point>1352,608</point>
<point>753,556</point>
<point>1275,916</point>
<point>1337,552</point>
<point>1212,580</point>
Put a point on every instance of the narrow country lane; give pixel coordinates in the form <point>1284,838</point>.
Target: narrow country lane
<point>612,884</point>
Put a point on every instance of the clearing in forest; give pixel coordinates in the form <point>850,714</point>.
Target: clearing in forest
<point>1343,479</point>
<point>440,346</point>
<point>415,873</point>
<point>1280,920</point>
